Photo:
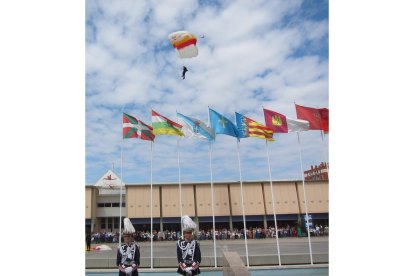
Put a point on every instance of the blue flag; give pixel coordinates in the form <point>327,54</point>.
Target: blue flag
<point>222,125</point>
<point>193,127</point>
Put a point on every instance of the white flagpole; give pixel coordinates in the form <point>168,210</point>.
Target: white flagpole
<point>212,210</point>
<point>212,196</point>
<point>325,152</point>
<point>152,259</point>
<point>273,204</point>
<point>306,202</point>
<point>179,184</point>
<point>122,180</point>
<point>242,199</point>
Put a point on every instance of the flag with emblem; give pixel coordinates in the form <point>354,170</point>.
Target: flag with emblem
<point>318,118</point>
<point>279,123</point>
<point>222,125</point>
<point>163,126</point>
<point>250,128</point>
<point>193,127</point>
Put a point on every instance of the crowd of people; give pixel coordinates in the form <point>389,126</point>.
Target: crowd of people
<point>221,234</point>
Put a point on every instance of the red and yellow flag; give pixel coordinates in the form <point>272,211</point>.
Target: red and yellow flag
<point>250,128</point>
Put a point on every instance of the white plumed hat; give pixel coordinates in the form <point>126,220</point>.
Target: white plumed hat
<point>188,223</point>
<point>128,227</point>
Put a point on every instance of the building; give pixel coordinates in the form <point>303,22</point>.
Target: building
<point>102,208</point>
<point>317,172</point>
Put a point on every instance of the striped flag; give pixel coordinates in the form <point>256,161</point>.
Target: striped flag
<point>250,128</point>
<point>163,126</point>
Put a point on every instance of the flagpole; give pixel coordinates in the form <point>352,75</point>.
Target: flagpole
<point>242,199</point>
<point>273,204</point>
<point>212,195</point>
<point>325,152</point>
<point>122,180</point>
<point>212,210</point>
<point>306,202</point>
<point>179,184</point>
<point>152,259</point>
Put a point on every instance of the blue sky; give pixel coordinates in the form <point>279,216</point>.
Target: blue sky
<point>254,54</point>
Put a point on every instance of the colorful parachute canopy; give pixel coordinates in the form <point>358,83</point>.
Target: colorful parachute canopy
<point>184,43</point>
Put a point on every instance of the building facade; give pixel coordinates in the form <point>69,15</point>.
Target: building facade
<point>317,172</point>
<point>103,211</point>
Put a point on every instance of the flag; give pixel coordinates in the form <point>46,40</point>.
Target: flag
<point>318,117</point>
<point>222,125</point>
<point>144,131</point>
<point>162,125</point>
<point>129,126</point>
<point>195,128</point>
<point>134,128</point>
<point>325,119</point>
<point>279,123</point>
<point>250,128</point>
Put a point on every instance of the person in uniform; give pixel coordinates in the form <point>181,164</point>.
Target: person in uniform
<point>188,249</point>
<point>128,256</point>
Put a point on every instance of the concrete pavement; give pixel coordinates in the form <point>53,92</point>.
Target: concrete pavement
<point>293,251</point>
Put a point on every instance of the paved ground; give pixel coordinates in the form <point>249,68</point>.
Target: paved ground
<point>309,271</point>
<point>288,246</point>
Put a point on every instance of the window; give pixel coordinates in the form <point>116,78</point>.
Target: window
<point>100,205</point>
<point>103,225</point>
<point>123,204</point>
<point>115,204</point>
<point>107,204</point>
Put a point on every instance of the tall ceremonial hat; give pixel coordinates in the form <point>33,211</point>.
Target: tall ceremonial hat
<point>128,227</point>
<point>188,223</point>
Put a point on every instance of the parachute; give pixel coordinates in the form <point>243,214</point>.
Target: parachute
<point>184,44</point>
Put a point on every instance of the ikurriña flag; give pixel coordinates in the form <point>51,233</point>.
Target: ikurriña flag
<point>318,117</point>
<point>134,128</point>
<point>250,128</point>
<point>222,125</point>
<point>163,126</point>
<point>279,123</point>
<point>193,127</point>
<point>144,131</point>
<point>129,126</point>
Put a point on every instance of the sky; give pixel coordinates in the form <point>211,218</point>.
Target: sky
<point>252,55</point>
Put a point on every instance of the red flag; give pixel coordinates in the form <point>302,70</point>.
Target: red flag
<point>318,117</point>
<point>325,119</point>
<point>275,121</point>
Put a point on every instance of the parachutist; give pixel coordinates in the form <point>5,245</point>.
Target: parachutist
<point>184,71</point>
